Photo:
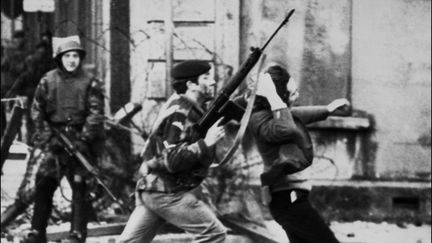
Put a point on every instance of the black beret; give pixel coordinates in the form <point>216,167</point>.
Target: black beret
<point>190,69</point>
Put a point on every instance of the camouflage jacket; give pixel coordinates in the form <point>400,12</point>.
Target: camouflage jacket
<point>177,158</point>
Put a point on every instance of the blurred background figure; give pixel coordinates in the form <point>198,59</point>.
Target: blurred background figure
<point>12,65</point>
<point>36,64</point>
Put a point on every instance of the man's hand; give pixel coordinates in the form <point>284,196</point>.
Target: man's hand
<point>266,88</point>
<point>338,104</point>
<point>214,134</point>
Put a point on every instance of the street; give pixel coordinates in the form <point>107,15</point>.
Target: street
<point>346,232</point>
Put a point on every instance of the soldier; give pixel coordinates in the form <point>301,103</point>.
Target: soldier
<point>70,100</point>
<point>284,143</point>
<point>176,161</point>
<point>39,62</point>
<point>12,65</point>
<point>13,60</point>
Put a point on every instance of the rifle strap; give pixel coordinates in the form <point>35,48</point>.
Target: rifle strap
<point>245,119</point>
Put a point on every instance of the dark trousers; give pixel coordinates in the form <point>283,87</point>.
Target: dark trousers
<point>299,219</point>
<point>45,188</point>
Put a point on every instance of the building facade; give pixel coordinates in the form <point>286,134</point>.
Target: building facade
<point>374,53</point>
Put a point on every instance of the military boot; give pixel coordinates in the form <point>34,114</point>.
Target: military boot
<point>74,237</point>
<point>80,210</point>
<point>42,208</point>
<point>34,236</point>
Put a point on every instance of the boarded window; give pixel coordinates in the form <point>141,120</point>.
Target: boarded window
<point>201,29</point>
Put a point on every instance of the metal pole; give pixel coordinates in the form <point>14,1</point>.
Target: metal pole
<point>12,9</point>
<point>169,29</point>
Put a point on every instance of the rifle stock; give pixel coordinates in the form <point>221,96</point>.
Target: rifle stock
<point>222,100</point>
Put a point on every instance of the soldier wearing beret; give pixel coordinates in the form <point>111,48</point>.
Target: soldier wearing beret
<point>70,100</point>
<point>176,161</point>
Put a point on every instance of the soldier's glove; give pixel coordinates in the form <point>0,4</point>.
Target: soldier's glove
<point>82,146</point>
<point>55,145</point>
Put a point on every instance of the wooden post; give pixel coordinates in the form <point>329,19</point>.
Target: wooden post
<point>120,63</point>
<point>120,84</point>
<point>12,9</point>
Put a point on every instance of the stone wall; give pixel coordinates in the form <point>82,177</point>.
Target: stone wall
<point>376,54</point>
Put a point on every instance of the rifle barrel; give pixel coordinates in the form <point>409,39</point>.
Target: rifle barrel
<point>213,114</point>
<point>277,30</point>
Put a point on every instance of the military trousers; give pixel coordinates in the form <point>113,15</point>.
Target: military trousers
<point>51,170</point>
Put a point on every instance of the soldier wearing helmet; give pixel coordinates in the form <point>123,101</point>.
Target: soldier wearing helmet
<point>70,100</point>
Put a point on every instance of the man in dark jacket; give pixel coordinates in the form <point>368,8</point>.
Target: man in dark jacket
<point>286,148</point>
<point>176,161</point>
<point>13,61</point>
<point>39,62</point>
<point>71,101</point>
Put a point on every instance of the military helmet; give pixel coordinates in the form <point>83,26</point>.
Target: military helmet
<point>63,45</point>
<point>70,46</point>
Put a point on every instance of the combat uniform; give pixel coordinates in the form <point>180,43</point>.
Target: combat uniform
<point>71,102</point>
<point>176,161</point>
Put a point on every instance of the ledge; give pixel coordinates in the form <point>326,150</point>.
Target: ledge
<point>343,123</point>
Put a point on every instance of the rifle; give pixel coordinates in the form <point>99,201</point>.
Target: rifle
<point>72,151</point>
<point>222,106</point>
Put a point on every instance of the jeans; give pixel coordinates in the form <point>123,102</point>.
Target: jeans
<point>182,209</point>
<point>299,219</point>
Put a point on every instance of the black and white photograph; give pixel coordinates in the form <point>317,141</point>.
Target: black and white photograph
<point>211,121</point>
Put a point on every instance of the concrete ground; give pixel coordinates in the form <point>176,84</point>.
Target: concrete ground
<point>352,232</point>
<point>346,232</point>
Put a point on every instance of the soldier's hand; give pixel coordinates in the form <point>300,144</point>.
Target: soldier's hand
<point>82,146</point>
<point>143,170</point>
<point>55,145</point>
<point>214,134</point>
<point>338,104</point>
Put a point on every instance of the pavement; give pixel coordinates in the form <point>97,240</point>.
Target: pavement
<point>346,232</point>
